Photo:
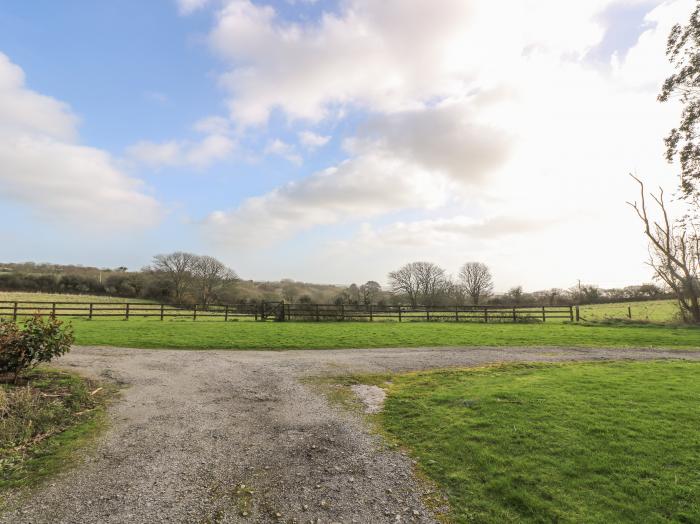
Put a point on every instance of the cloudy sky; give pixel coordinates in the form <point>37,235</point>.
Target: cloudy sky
<point>335,140</point>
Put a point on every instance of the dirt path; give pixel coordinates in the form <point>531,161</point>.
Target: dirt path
<point>194,426</point>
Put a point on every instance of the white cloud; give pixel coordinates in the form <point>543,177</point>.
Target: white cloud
<point>187,7</point>
<point>363,187</point>
<point>311,140</point>
<point>494,103</point>
<point>42,166</point>
<point>281,148</point>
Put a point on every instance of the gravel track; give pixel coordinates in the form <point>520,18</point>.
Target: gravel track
<point>192,427</point>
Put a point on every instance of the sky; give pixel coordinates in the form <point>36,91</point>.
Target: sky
<point>335,140</point>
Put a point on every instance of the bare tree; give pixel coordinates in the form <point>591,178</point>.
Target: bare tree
<point>477,280</point>
<point>421,282</point>
<point>210,275</point>
<point>369,292</point>
<point>515,294</point>
<point>674,253</point>
<point>177,267</point>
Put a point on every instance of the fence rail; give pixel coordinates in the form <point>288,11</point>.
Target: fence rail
<point>290,312</point>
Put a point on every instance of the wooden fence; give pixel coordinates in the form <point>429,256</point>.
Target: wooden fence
<point>290,312</point>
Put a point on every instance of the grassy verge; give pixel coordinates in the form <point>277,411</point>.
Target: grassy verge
<point>297,335</point>
<point>589,442</point>
<point>43,421</point>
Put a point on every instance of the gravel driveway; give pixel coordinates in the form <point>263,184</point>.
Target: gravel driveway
<point>233,436</point>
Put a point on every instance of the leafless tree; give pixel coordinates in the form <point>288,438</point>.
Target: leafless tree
<point>177,267</point>
<point>674,253</point>
<point>421,282</point>
<point>515,294</point>
<point>477,280</point>
<point>209,276</point>
<point>369,292</point>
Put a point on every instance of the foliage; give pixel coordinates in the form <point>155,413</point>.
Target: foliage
<point>683,51</point>
<point>594,442</point>
<point>39,340</point>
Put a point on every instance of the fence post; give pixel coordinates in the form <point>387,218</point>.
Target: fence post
<point>342,312</point>
<point>194,312</point>
<point>162,311</point>
<point>578,314</point>
<point>515,316</point>
<point>371,313</point>
<point>127,311</point>
<point>629,312</point>
<point>544,315</point>
<point>14,312</point>
<point>486,314</point>
<point>53,310</point>
<point>399,313</point>
<point>571,313</point>
<point>456,313</point>
<point>318,314</point>
<point>90,314</point>
<point>427,314</point>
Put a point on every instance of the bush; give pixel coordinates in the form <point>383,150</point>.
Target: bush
<point>37,341</point>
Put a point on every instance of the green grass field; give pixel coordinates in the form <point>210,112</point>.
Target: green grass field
<point>327,335</point>
<point>595,442</point>
<point>650,311</point>
<point>215,334</point>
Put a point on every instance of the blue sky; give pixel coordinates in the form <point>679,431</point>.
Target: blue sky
<point>333,141</point>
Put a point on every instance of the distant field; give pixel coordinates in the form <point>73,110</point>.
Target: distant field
<point>651,311</point>
<point>602,442</point>
<point>64,298</point>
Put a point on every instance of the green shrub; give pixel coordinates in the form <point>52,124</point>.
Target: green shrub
<point>39,340</point>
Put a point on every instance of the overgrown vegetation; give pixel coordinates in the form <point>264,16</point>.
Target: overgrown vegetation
<point>43,421</point>
<point>594,442</point>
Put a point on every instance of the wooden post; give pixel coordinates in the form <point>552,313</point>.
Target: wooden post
<point>544,315</point>
<point>515,316</point>
<point>342,312</point>
<point>399,313</point>
<point>456,313</point>
<point>162,312</point>
<point>318,314</point>
<point>194,312</point>
<point>90,314</point>
<point>578,314</point>
<point>371,313</point>
<point>486,314</point>
<point>53,310</point>
<point>571,313</point>
<point>14,312</point>
<point>629,312</point>
<point>127,311</point>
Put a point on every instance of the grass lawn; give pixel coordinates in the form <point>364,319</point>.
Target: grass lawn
<point>594,442</point>
<point>44,420</point>
<point>310,335</point>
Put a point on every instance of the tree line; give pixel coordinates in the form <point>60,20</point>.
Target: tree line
<point>187,278</point>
